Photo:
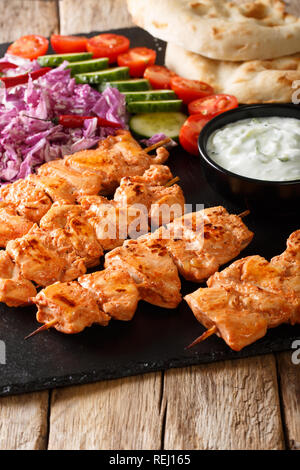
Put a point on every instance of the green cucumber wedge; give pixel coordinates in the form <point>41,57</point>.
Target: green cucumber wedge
<point>140,84</point>
<point>146,125</point>
<point>151,95</point>
<point>88,66</point>
<point>154,106</point>
<point>54,60</point>
<point>117,73</point>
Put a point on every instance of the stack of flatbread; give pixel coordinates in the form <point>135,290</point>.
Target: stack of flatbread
<point>250,49</point>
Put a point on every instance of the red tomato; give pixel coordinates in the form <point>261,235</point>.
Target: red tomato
<point>29,47</point>
<point>213,105</point>
<point>137,59</point>
<point>190,90</point>
<point>108,45</point>
<point>159,77</point>
<point>64,44</point>
<point>189,133</point>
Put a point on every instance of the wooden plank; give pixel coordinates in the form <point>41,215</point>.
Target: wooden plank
<point>289,374</point>
<point>232,405</point>
<point>119,414</point>
<point>93,15</point>
<point>23,422</point>
<point>27,17</point>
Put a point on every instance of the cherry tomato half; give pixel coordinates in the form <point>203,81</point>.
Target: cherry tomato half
<point>213,105</point>
<point>189,133</point>
<point>159,77</point>
<point>108,45</point>
<point>190,90</point>
<point>64,44</point>
<point>29,47</point>
<point>137,59</point>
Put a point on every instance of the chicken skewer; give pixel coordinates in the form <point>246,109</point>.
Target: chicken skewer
<point>250,296</point>
<point>150,266</point>
<point>72,238</point>
<point>84,173</point>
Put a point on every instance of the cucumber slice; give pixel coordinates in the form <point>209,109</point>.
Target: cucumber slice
<point>88,65</point>
<point>151,95</point>
<point>146,125</point>
<point>154,106</point>
<point>103,76</point>
<point>54,60</point>
<point>127,85</point>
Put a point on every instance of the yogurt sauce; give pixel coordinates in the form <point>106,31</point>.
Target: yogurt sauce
<point>262,148</point>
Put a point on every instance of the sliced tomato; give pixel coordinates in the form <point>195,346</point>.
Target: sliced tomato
<point>189,133</point>
<point>29,47</point>
<point>137,59</point>
<point>190,90</point>
<point>108,45</point>
<point>64,44</point>
<point>213,105</point>
<point>159,77</point>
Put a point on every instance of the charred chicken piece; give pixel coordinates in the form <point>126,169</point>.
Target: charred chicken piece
<point>12,225</point>
<point>200,242</point>
<point>15,291</point>
<point>70,307</point>
<point>29,201</point>
<point>116,157</point>
<point>115,291</point>
<point>151,268</point>
<point>82,182</point>
<point>250,296</point>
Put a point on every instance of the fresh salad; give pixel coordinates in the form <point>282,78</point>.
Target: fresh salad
<point>57,104</point>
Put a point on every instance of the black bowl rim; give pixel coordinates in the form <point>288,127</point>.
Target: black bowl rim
<point>242,108</point>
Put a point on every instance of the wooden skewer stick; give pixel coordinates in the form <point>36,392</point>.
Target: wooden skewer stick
<point>42,328</point>
<point>213,330</point>
<point>244,214</point>
<point>157,145</point>
<point>172,181</point>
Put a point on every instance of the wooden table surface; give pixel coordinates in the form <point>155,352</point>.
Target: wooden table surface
<point>245,404</point>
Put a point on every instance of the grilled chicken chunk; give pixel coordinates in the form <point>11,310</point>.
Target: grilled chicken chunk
<point>289,261</point>
<point>36,258</point>
<point>236,325</point>
<point>158,174</point>
<point>71,306</point>
<point>115,291</point>
<point>55,187</point>
<point>108,220</point>
<point>137,202</point>
<point>151,268</point>
<point>82,182</point>
<point>12,225</point>
<point>59,215</point>
<point>116,157</point>
<point>29,201</point>
<point>15,291</point>
<point>250,296</point>
<point>200,242</point>
<point>45,257</point>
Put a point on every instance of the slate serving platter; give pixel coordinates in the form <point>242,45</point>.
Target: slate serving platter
<point>155,339</point>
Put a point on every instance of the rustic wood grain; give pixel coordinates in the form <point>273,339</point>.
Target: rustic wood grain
<point>23,422</point>
<point>119,414</point>
<point>93,15</point>
<point>20,17</point>
<point>289,374</point>
<point>229,405</point>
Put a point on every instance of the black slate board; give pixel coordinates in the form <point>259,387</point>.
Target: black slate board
<point>156,338</point>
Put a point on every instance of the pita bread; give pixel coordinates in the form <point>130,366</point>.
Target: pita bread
<point>221,29</point>
<point>256,81</point>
